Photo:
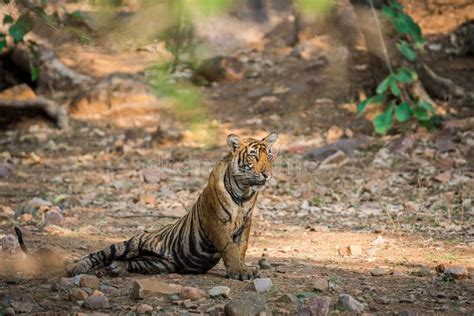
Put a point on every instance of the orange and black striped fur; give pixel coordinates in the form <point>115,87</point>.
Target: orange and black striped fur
<point>217,226</point>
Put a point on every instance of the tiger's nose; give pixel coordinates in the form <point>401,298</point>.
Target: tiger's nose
<point>266,175</point>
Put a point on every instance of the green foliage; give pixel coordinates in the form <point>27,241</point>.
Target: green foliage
<point>383,122</point>
<point>208,7</point>
<point>186,101</point>
<point>390,92</point>
<point>23,25</point>
<point>403,112</point>
<point>7,19</point>
<point>3,41</point>
<point>406,50</point>
<point>313,7</point>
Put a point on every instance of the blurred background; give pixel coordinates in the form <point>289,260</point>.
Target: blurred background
<point>113,112</point>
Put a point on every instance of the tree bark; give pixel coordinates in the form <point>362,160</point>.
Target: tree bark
<point>50,108</point>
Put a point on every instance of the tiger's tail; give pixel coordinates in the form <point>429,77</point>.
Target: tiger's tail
<point>19,235</point>
<point>120,251</point>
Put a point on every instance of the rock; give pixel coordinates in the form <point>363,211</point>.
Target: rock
<point>383,158</point>
<point>382,300</point>
<point>97,302</point>
<point>409,299</point>
<point>258,92</point>
<point>247,305</point>
<point>147,199</point>
<point>6,212</point>
<point>77,279</point>
<point>77,295</point>
<point>109,289</point>
<point>407,313</point>
<point>26,217</point>
<point>443,177</point>
<point>456,271</point>
<point>379,271</point>
<point>318,306</point>
<point>217,310</point>
<point>263,264</point>
<point>90,281</point>
<point>346,145</point>
<point>57,230</point>
<point>336,160</point>
<point>355,250</point>
<point>378,241</point>
<point>220,290</point>
<point>411,206</point>
<point>97,293</point>
<point>151,175</point>
<point>192,293</point>
<point>144,309</point>
<point>334,133</point>
<point>33,206</point>
<point>320,284</point>
<point>54,217</point>
<point>262,284</point>
<point>10,244</point>
<point>5,169</point>
<point>149,287</point>
<point>9,311</point>
<point>288,299</point>
<point>444,143</point>
<point>422,272</point>
<point>350,303</point>
<point>402,145</point>
<point>23,307</point>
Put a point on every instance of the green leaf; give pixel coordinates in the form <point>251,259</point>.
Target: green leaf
<point>383,122</point>
<point>362,105</point>
<point>34,71</point>
<point>388,11</point>
<point>6,1</point>
<point>383,86</point>
<point>403,112</point>
<point>394,88</point>
<point>3,41</point>
<point>397,6</point>
<point>427,106</point>
<point>405,75</point>
<point>7,19</point>
<point>421,113</point>
<point>23,25</point>
<point>406,50</point>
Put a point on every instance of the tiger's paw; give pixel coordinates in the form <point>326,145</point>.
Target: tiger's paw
<point>118,268</point>
<point>244,274</point>
<point>79,267</point>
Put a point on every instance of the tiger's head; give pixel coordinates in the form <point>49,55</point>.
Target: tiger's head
<point>251,160</point>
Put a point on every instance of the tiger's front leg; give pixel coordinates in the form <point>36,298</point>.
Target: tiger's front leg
<point>235,267</point>
<point>232,253</point>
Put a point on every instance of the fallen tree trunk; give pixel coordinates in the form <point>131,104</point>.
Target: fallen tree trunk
<point>53,75</point>
<point>53,110</point>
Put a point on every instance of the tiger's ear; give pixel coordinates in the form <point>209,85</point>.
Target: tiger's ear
<point>233,141</point>
<point>271,138</point>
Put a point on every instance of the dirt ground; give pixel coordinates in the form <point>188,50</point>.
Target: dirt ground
<point>403,200</point>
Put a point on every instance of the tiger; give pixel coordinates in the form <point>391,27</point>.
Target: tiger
<point>216,227</point>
